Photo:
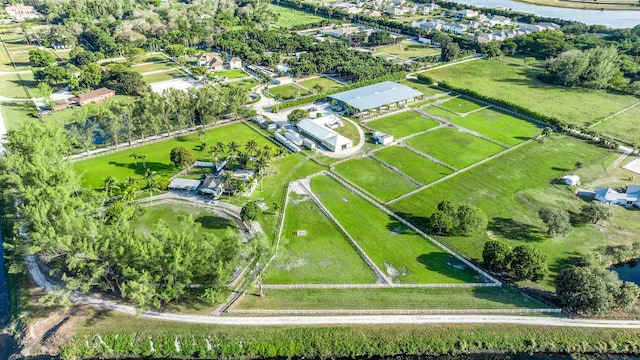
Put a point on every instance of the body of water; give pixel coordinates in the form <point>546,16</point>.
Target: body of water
<point>629,271</point>
<point>611,18</point>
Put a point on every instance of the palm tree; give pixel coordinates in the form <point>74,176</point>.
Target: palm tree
<point>151,181</point>
<point>317,88</point>
<point>279,153</point>
<point>135,158</point>
<point>201,135</point>
<point>251,147</point>
<point>261,165</point>
<point>214,153</point>
<point>233,148</point>
<point>144,160</point>
<point>110,183</point>
<point>266,152</point>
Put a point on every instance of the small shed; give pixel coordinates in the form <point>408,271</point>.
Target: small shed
<point>382,138</point>
<point>301,233</point>
<point>183,184</point>
<point>571,180</point>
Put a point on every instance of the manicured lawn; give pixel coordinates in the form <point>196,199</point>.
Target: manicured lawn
<point>154,67</point>
<point>323,256</point>
<point>460,105</point>
<point>492,123</point>
<point>12,86</point>
<point>404,255</point>
<point>624,126</point>
<point>517,84</point>
<point>326,83</point>
<point>512,188</point>
<point>16,112</point>
<point>401,298</point>
<point>287,17</point>
<point>375,178</point>
<point>246,84</point>
<point>210,223</point>
<point>163,76</point>
<point>403,124</point>
<point>5,62</point>
<point>121,165</point>
<point>455,148</point>
<point>412,164</point>
<point>288,91</point>
<point>407,50</point>
<point>427,90</point>
<point>232,74</point>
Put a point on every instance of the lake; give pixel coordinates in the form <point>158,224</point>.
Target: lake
<point>629,271</point>
<point>611,18</point>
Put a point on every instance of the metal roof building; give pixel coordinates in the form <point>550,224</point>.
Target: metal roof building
<point>317,130</point>
<point>183,184</point>
<point>376,96</point>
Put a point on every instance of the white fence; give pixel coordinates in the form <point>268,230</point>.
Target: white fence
<point>394,311</point>
<point>374,286</point>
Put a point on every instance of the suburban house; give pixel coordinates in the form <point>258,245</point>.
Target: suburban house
<point>320,130</point>
<point>372,13</point>
<point>21,12</point>
<point>205,59</point>
<point>499,20</point>
<point>235,63</point>
<point>60,105</point>
<point>93,97</point>
<point>341,31</point>
<point>629,196</point>
<point>465,14</point>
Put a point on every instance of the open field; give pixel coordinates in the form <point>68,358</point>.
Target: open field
<point>404,255</point>
<point>412,164</point>
<point>121,165</point>
<point>510,191</point>
<point>454,147</point>
<point>246,84</point>
<point>492,123</point>
<point>407,50</point>
<point>12,86</point>
<point>287,17</point>
<point>232,74</point>
<point>16,112</point>
<point>403,124</point>
<point>326,83</point>
<point>400,298</point>
<point>288,91</point>
<point>460,105</point>
<point>517,84</point>
<point>624,126</point>
<point>323,256</point>
<point>209,222</point>
<point>163,76</point>
<point>5,62</point>
<point>427,90</point>
<point>375,178</point>
<point>154,67</point>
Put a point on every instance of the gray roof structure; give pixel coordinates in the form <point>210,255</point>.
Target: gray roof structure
<point>632,193</point>
<point>376,95</point>
<point>184,184</point>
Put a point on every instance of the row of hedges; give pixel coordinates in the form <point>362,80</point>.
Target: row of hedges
<point>309,99</point>
<point>331,342</point>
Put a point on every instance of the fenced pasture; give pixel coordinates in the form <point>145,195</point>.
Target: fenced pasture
<point>403,124</point>
<point>375,178</point>
<point>412,164</point>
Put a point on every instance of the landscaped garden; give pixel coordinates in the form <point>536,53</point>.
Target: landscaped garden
<point>412,164</point>
<point>375,178</point>
<point>403,124</point>
<point>455,148</point>
<point>323,255</point>
<point>397,250</point>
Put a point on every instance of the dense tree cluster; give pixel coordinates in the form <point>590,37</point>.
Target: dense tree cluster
<point>450,219</point>
<point>523,262</point>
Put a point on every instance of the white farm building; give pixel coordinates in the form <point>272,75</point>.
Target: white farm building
<point>619,196</point>
<point>320,130</point>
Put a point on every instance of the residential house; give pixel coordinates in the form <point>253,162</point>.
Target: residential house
<point>340,31</point>
<point>372,13</point>
<point>499,21</point>
<point>60,105</point>
<point>209,58</point>
<point>93,97</point>
<point>426,8</point>
<point>465,14</point>
<point>629,196</point>
<point>235,63</point>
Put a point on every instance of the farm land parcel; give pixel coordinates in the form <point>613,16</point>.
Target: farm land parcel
<point>403,124</point>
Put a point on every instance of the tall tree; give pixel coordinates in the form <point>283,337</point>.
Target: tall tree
<point>557,221</point>
<point>527,263</point>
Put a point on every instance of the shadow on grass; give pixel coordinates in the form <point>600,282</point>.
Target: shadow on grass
<point>141,170</point>
<point>215,223</point>
<point>512,229</point>
<point>421,222</point>
<point>560,264</point>
<point>445,264</point>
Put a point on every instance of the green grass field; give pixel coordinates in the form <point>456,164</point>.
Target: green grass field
<point>624,126</point>
<point>163,76</point>
<point>510,191</point>
<point>455,148</point>
<point>209,222</point>
<point>460,105</point>
<point>232,74</point>
<point>427,90</point>
<point>401,298</point>
<point>5,62</point>
<point>121,165</point>
<point>154,67</point>
<point>246,84</point>
<point>394,248</point>
<point>323,256</point>
<point>412,164</point>
<point>407,50</point>
<point>375,178</point>
<point>287,17</point>
<point>492,123</point>
<point>288,91</point>
<point>326,83</point>
<point>403,124</point>
<point>518,85</point>
<point>12,86</point>
<point>16,112</point>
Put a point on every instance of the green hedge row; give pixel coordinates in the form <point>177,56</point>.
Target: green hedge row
<point>309,99</point>
<point>330,342</point>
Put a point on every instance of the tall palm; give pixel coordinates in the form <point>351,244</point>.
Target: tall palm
<point>261,165</point>
<point>214,153</point>
<point>201,134</point>
<point>151,181</point>
<point>144,160</point>
<point>110,183</point>
<point>251,147</point>
<point>279,153</point>
<point>233,148</point>
<point>135,158</point>
<point>266,152</point>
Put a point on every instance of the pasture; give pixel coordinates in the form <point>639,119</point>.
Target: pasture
<point>460,105</point>
<point>121,165</point>
<point>232,74</point>
<point>397,250</point>
<point>517,84</point>
<point>326,83</point>
<point>625,125</point>
<point>427,90</point>
<point>288,91</point>
<point>323,256</point>
<point>510,191</point>
<point>286,17</point>
<point>166,65</point>
<point>15,86</point>
<point>492,123</point>
<point>456,148</point>
<point>403,124</point>
<point>163,76</point>
<point>407,50</point>
<point>375,178</point>
<point>210,223</point>
<point>16,112</point>
<point>412,164</point>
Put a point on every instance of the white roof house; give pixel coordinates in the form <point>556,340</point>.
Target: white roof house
<point>183,184</point>
<point>619,196</point>
<point>571,180</point>
<point>319,130</point>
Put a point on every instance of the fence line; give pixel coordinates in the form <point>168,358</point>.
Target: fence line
<point>397,311</point>
<point>396,170</point>
<point>287,190</point>
<point>374,286</point>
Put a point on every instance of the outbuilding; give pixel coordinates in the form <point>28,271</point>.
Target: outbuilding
<point>376,96</point>
<point>184,184</point>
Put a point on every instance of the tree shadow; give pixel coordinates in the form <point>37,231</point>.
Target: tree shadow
<point>512,229</point>
<point>560,264</point>
<point>97,316</point>
<point>560,169</point>
<point>421,222</point>
<point>523,138</point>
<point>215,223</point>
<point>141,170</point>
<point>446,264</point>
